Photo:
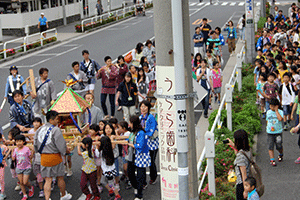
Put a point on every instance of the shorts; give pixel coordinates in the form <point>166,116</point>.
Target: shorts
<point>43,28</point>
<point>275,139</point>
<point>23,171</point>
<point>287,109</point>
<point>90,87</point>
<point>55,171</point>
<point>217,90</point>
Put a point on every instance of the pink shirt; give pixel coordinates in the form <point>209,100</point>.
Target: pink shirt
<point>216,78</point>
<point>23,158</point>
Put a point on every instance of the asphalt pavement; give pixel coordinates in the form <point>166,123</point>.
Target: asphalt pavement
<point>113,40</point>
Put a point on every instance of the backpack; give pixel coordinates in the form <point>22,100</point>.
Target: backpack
<point>255,172</point>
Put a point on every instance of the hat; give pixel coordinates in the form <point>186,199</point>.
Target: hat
<point>13,67</point>
<point>42,14</point>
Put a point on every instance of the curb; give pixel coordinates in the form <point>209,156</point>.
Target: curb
<point>29,51</point>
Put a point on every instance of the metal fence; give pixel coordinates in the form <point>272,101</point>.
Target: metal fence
<point>21,43</point>
<point>116,13</point>
<point>209,149</point>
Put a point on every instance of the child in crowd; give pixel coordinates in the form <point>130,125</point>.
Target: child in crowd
<point>133,71</point>
<point>101,127</point>
<point>89,169</point>
<point>274,130</point>
<point>4,153</point>
<point>109,130</point>
<point>23,155</point>
<point>217,78</point>
<point>142,84</point>
<point>37,123</point>
<point>124,132</point>
<point>258,65</point>
<point>105,151</point>
<point>296,78</point>
<point>259,89</point>
<point>260,55</point>
<point>93,134</point>
<point>270,90</point>
<point>287,97</point>
<point>282,69</point>
<point>250,188</point>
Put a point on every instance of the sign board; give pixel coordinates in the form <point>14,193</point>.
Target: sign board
<point>167,124</point>
<point>201,92</point>
<point>249,11</point>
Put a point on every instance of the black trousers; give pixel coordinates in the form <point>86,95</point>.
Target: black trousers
<point>111,101</point>
<point>240,192</point>
<point>137,181</point>
<point>153,169</point>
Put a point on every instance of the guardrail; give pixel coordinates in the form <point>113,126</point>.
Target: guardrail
<point>24,41</point>
<point>116,13</point>
<point>236,76</point>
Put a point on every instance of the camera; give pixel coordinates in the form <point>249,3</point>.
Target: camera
<point>225,141</point>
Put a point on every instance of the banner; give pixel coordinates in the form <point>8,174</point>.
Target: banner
<point>166,109</point>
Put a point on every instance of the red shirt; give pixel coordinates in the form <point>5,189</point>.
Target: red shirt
<point>109,79</point>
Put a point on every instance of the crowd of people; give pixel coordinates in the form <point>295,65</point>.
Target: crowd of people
<point>277,80</point>
<point>207,57</point>
<point>134,140</point>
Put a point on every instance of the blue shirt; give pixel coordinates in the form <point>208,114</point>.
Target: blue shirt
<point>253,195</point>
<point>14,79</point>
<point>256,72</point>
<point>274,126</point>
<point>198,37</point>
<point>43,21</point>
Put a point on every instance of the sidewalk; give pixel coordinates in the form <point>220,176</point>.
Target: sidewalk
<point>281,182</point>
<point>203,124</point>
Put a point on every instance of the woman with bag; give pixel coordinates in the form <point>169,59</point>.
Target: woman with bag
<point>242,165</point>
<point>231,36</point>
<point>137,54</point>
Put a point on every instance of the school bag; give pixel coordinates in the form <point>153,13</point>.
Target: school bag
<point>255,172</point>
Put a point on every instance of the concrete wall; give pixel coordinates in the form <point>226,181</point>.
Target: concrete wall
<point>14,24</point>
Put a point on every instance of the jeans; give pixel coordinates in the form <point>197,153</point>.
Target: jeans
<point>205,102</point>
<point>137,181</point>
<point>111,101</point>
<point>153,170</point>
<point>242,33</point>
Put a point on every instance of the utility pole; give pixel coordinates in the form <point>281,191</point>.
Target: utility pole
<point>175,101</point>
<point>250,44</point>
<point>64,12</point>
<point>263,8</point>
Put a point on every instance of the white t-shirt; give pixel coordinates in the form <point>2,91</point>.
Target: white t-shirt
<point>208,76</point>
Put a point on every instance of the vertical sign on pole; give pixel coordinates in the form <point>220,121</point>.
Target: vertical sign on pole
<point>167,136</point>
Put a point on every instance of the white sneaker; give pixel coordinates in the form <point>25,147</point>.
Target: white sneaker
<point>66,197</point>
<point>135,191</point>
<point>138,198</point>
<point>70,173</point>
<point>18,187</point>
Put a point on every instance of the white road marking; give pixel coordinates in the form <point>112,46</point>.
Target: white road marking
<point>192,4</point>
<point>241,3</point>
<point>232,4</point>
<point>199,9</point>
<point>224,3</point>
<point>258,4</point>
<point>136,22</point>
<point>207,4</point>
<point>215,4</point>
<point>46,54</point>
<point>200,4</point>
<point>277,3</point>
<point>71,45</point>
<point>115,29</point>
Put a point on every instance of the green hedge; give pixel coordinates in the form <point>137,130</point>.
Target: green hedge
<point>245,115</point>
